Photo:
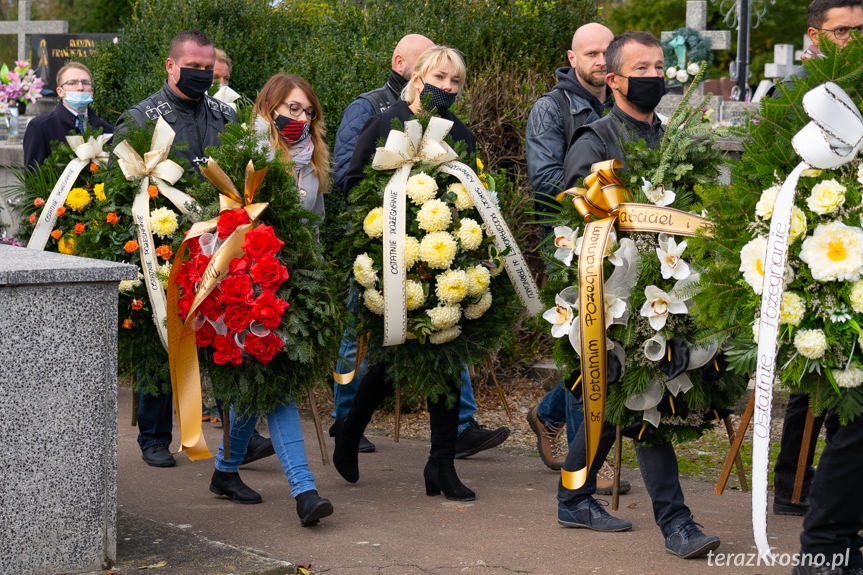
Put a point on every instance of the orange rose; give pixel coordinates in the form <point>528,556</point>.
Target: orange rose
<point>131,246</point>
<point>137,304</point>
<point>56,234</point>
<point>152,191</point>
<point>164,252</point>
<point>38,202</point>
<point>112,218</point>
<point>80,227</point>
<point>128,324</point>
<point>61,211</point>
<point>33,219</point>
<point>94,167</point>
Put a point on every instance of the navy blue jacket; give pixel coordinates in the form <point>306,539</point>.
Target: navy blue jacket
<point>45,129</point>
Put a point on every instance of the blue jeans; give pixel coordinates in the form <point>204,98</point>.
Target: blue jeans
<point>344,394</point>
<point>558,406</point>
<point>155,418</point>
<point>287,437</point>
<point>658,466</point>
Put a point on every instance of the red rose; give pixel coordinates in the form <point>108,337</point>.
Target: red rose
<point>237,289</point>
<point>239,265</point>
<point>230,220</point>
<point>268,309</point>
<point>263,348</point>
<point>204,335</point>
<point>237,317</point>
<point>226,350</point>
<point>211,307</point>
<point>199,264</point>
<point>268,273</point>
<point>194,247</point>
<point>185,303</point>
<point>183,278</point>
<point>262,240</point>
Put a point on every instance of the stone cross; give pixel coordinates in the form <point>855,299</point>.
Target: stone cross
<point>24,26</point>
<point>696,18</point>
<point>783,62</point>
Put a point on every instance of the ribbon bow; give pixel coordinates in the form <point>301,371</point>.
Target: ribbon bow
<point>831,139</point>
<point>413,145</point>
<point>182,346</point>
<point>85,153</point>
<point>603,194</point>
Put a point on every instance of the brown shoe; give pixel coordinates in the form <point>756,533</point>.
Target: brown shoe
<point>547,439</point>
<point>605,481</point>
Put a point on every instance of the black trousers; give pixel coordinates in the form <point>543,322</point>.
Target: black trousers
<point>835,513</point>
<point>789,447</point>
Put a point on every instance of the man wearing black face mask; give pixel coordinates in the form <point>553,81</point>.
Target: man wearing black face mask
<point>634,62</point>
<point>196,118</point>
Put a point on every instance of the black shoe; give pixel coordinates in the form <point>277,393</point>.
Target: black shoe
<point>441,476</point>
<point>311,508</point>
<point>366,446</point>
<point>231,486</point>
<point>687,540</point>
<point>259,447</point>
<point>477,438</point>
<point>345,452</point>
<point>158,456</point>
<point>783,506</point>
<point>590,514</point>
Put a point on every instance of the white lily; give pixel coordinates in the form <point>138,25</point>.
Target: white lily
<point>565,241</point>
<point>657,194</point>
<point>615,307</point>
<point>669,252</point>
<point>610,246</point>
<point>563,314</point>
<point>658,305</point>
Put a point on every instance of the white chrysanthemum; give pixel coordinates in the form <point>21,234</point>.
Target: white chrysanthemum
<point>421,188</point>
<point>764,207</point>
<point>374,301</point>
<point>693,68</point>
<point>851,377</point>
<point>463,201</point>
<point>793,309</point>
<point>681,76</point>
<point>860,173</point>
<point>434,216</point>
<point>752,263</point>
<point>416,297</point>
<point>478,279</point>
<point>469,234</point>
<point>128,286</point>
<point>810,343</point>
<point>163,272</point>
<point>444,336</point>
<point>373,224</point>
<point>412,251</point>
<point>756,329</point>
<point>163,222</point>
<point>671,73</point>
<point>451,286</point>
<point>476,310</point>
<point>856,297</point>
<point>798,224</point>
<point>827,196</point>
<point>444,316</point>
<point>834,252</point>
<point>364,271</point>
<point>438,249</point>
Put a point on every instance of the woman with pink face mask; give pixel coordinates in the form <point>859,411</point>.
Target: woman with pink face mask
<point>287,118</point>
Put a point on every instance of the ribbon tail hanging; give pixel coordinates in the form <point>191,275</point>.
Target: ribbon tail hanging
<point>48,217</point>
<point>149,264</point>
<point>394,273</point>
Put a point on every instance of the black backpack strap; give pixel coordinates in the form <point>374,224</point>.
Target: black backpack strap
<point>379,98</point>
<point>563,108</point>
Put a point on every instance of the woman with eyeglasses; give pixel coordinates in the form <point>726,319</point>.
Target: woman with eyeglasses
<point>437,78</point>
<point>288,121</point>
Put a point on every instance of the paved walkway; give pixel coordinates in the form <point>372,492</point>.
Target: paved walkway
<point>385,524</point>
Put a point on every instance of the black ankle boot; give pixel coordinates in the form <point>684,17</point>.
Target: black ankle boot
<point>441,476</point>
<point>348,430</point>
<point>231,486</point>
<point>311,508</point>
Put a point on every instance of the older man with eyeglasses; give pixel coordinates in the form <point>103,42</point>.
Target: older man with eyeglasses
<point>75,88</point>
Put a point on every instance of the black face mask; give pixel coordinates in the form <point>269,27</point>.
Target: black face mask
<point>433,97</point>
<point>645,93</point>
<point>193,83</point>
<point>291,130</point>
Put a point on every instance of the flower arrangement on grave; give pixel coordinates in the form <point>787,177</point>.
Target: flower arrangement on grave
<point>19,85</point>
<point>788,253</point>
<point>254,294</point>
<point>84,206</point>
<point>429,247</point>
<point>636,357</point>
<point>685,52</point>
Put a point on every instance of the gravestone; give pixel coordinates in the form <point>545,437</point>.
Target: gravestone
<point>737,113</point>
<point>51,51</point>
<point>58,400</point>
<point>783,62</point>
<point>23,27</point>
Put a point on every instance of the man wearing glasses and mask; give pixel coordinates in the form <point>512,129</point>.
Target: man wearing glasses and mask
<point>72,115</point>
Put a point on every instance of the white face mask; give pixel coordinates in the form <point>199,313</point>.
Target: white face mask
<point>78,100</point>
